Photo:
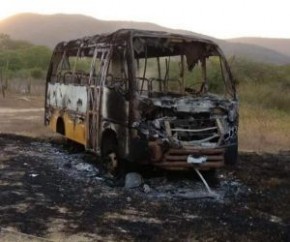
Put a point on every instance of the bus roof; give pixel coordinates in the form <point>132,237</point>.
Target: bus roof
<point>122,35</point>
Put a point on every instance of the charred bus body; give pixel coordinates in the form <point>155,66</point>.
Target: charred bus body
<point>150,97</point>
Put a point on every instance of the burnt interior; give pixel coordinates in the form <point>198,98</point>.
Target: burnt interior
<point>188,122</point>
<point>170,109</point>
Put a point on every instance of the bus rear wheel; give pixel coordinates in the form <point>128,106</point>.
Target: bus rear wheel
<point>109,153</point>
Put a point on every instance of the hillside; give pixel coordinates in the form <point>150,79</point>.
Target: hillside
<point>279,45</point>
<point>255,52</point>
<point>51,29</point>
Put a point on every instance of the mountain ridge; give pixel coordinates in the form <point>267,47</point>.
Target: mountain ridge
<point>281,45</point>
<point>48,30</point>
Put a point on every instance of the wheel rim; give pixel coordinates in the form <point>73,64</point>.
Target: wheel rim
<point>112,162</point>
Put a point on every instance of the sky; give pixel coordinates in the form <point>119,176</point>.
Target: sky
<point>216,18</point>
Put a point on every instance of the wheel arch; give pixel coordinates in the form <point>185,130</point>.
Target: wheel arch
<point>108,136</point>
<point>60,126</point>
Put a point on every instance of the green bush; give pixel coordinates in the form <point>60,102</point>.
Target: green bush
<point>263,85</point>
<point>20,55</point>
<point>37,73</point>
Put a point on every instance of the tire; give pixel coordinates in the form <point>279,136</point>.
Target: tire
<point>109,152</point>
<point>231,154</point>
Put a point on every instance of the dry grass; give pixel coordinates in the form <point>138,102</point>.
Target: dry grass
<point>263,129</point>
<point>264,117</point>
<point>23,115</point>
<point>273,95</point>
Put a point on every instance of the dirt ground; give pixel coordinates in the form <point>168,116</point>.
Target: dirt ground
<point>52,192</point>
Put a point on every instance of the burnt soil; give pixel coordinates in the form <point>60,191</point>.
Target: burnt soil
<point>47,187</point>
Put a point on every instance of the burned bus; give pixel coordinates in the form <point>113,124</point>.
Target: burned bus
<point>156,98</point>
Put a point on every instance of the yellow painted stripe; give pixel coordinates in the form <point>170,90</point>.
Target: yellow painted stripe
<point>74,131</point>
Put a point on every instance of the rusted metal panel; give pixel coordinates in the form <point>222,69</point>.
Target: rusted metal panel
<point>196,151</point>
<point>184,157</point>
<point>66,96</point>
<point>184,166</point>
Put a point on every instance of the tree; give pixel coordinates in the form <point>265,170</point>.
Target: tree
<point>36,56</point>
<point>36,73</point>
<point>4,40</point>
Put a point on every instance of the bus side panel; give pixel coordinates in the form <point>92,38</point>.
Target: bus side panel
<point>74,129</point>
<point>67,105</point>
<point>115,117</point>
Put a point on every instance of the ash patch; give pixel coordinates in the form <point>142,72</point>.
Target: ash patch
<point>47,188</point>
